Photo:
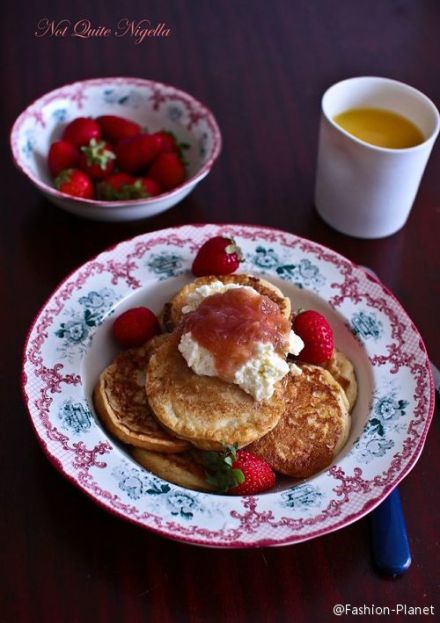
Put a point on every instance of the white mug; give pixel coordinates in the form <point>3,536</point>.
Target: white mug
<point>361,189</point>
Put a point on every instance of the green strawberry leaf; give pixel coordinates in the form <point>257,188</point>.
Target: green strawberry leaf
<point>238,476</point>
<point>96,153</point>
<point>63,178</point>
<point>218,468</point>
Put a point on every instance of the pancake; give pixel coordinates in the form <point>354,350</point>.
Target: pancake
<point>314,426</point>
<point>180,469</point>
<point>205,410</point>
<point>122,406</point>
<point>343,372</point>
<point>171,313</point>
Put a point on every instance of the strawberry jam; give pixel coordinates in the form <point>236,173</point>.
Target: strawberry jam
<point>230,324</point>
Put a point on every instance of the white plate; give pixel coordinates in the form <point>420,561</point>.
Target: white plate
<point>69,344</point>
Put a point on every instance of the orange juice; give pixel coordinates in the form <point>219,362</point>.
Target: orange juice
<point>380,127</point>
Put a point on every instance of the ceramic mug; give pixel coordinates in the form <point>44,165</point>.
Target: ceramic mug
<point>361,189</point>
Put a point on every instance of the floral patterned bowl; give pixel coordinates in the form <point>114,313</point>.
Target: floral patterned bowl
<point>152,104</point>
<point>70,343</point>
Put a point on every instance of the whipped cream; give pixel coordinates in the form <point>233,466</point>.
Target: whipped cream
<point>294,369</point>
<point>295,344</point>
<point>257,377</point>
<point>197,357</point>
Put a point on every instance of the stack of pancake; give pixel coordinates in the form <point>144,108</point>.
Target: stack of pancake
<point>151,400</point>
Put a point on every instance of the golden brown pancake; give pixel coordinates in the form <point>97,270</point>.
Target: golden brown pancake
<point>314,426</point>
<point>180,469</point>
<point>205,410</point>
<point>171,313</point>
<point>343,372</point>
<point>121,403</point>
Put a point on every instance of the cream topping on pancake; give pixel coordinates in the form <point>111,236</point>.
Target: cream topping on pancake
<point>260,372</point>
<point>257,377</point>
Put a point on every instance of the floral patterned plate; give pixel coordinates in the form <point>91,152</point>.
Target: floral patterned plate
<point>69,344</point>
<point>151,104</point>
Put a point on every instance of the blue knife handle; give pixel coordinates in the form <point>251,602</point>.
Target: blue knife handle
<point>389,538</point>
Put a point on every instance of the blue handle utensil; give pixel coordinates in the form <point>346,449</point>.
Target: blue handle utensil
<point>389,539</point>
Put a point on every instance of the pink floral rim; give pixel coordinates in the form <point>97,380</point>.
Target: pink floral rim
<point>341,495</point>
<point>161,93</point>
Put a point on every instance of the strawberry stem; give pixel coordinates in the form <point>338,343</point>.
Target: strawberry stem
<point>97,153</point>
<point>233,247</point>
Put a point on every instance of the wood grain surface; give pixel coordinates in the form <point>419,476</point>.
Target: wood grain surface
<point>262,68</point>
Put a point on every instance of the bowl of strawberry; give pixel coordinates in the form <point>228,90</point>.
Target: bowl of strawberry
<point>115,149</point>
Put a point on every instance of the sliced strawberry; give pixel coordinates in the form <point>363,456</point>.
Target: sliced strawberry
<point>136,153</point>
<point>115,129</point>
<point>62,155</point>
<point>217,256</point>
<point>81,130</point>
<point>168,170</point>
<point>97,159</point>
<point>76,183</point>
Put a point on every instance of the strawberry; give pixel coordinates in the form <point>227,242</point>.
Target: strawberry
<point>170,143</point>
<point>121,186</point>
<point>97,159</point>
<point>168,170</point>
<point>137,152</point>
<point>149,187</point>
<point>135,327</point>
<point>258,475</point>
<point>114,186</point>
<point>62,155</point>
<point>76,183</point>
<point>238,472</point>
<point>317,336</point>
<point>115,129</point>
<point>217,256</point>
<point>81,130</point>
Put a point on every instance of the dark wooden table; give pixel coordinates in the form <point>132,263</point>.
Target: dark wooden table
<point>261,67</point>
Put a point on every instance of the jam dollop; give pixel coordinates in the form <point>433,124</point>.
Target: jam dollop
<point>230,324</point>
